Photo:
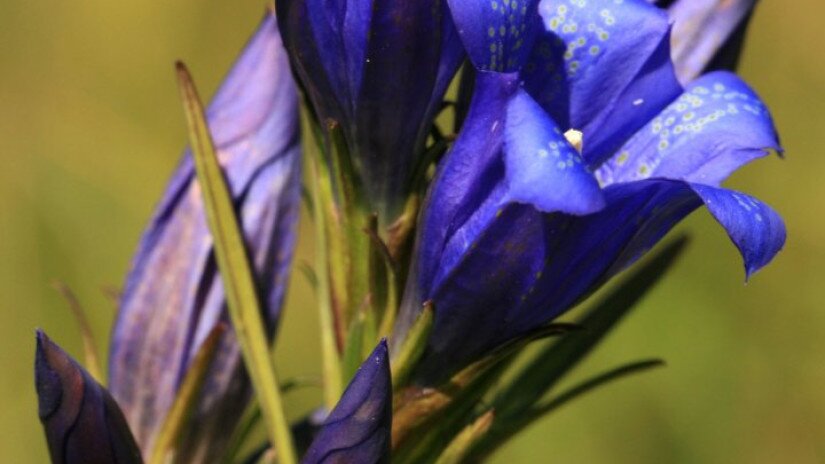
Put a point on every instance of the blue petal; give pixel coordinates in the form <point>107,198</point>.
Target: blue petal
<point>602,68</point>
<point>359,428</point>
<point>528,267</point>
<point>497,34</point>
<point>701,31</point>
<point>509,151</point>
<point>715,127</point>
<point>173,296</point>
<point>468,173</point>
<point>754,227</point>
<point>542,168</point>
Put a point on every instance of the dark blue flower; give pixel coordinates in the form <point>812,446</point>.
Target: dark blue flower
<point>380,69</point>
<point>515,229</point>
<point>82,422</point>
<point>360,426</point>
<point>173,296</point>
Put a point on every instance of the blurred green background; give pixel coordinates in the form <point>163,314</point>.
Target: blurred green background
<point>91,128</point>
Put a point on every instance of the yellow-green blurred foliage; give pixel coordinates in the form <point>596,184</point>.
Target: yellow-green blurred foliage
<point>91,128</point>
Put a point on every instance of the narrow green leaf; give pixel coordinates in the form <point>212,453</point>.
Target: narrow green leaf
<point>186,398</point>
<point>233,264</point>
<point>548,366</point>
<point>597,381</point>
<point>412,347</point>
<point>91,360</point>
<point>461,445</point>
<point>506,430</point>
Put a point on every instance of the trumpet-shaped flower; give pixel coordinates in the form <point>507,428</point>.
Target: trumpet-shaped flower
<point>359,428</point>
<point>174,296</point>
<point>82,422</point>
<point>516,229</point>
<point>380,70</point>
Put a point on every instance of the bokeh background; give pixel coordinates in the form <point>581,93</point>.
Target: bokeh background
<point>91,128</point>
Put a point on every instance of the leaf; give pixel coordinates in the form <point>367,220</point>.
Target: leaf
<point>507,430</point>
<point>464,441</point>
<point>233,264</point>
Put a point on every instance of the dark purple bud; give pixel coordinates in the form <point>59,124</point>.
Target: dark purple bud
<point>174,296</point>
<point>380,69</point>
<point>82,422</point>
<point>360,426</point>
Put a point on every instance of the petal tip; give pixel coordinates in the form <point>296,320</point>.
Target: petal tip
<point>46,379</point>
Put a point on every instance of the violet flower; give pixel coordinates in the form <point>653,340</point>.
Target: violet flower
<point>516,229</point>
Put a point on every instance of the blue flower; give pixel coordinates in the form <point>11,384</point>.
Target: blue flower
<point>380,70</point>
<point>707,34</point>
<point>360,426</point>
<point>516,229</point>
<point>82,422</point>
<point>173,296</point>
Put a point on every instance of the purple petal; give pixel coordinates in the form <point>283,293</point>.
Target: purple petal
<point>173,295</point>
<point>707,32</point>
<point>83,424</point>
<point>359,428</point>
<point>715,127</point>
<point>756,230</point>
<point>497,34</point>
<point>509,151</point>
<point>541,168</point>
<point>602,68</point>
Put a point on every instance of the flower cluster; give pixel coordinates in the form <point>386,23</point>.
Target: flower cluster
<point>585,130</point>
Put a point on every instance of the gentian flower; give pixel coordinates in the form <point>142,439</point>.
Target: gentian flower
<point>359,427</point>
<point>83,424</point>
<point>380,70</point>
<point>515,229</point>
<point>173,296</point>
<point>707,34</point>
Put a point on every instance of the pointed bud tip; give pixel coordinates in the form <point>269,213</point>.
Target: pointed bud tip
<point>46,380</point>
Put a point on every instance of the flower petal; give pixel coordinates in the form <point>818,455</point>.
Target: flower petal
<point>359,428</point>
<point>497,34</point>
<point>542,169</point>
<point>706,32</point>
<point>509,151</point>
<point>83,424</point>
<point>173,295</point>
<point>602,68</point>
<point>754,227</point>
<point>716,126</point>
